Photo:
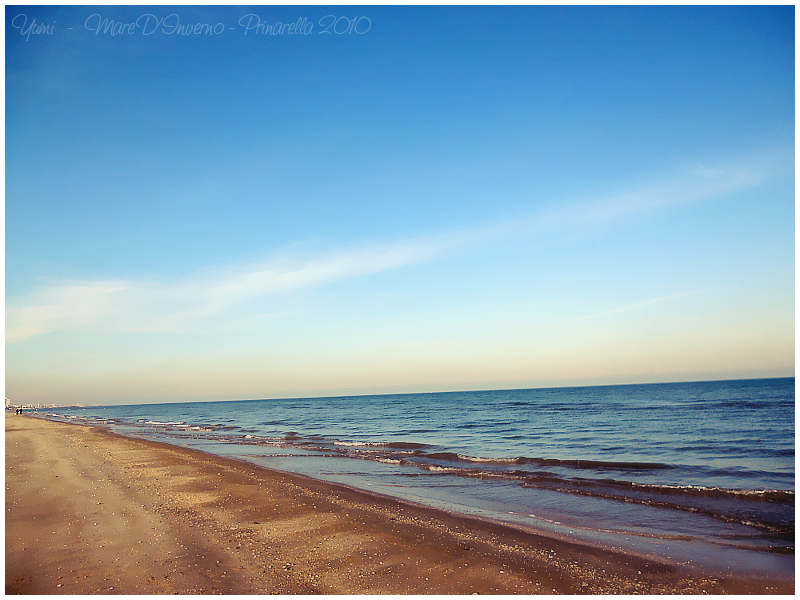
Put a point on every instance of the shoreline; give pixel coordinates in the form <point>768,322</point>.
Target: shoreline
<point>186,521</point>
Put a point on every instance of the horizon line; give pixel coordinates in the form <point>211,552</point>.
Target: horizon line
<point>359,395</point>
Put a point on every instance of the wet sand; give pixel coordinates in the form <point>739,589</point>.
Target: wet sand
<point>90,512</point>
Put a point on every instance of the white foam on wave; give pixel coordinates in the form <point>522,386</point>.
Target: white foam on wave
<point>480,459</point>
<point>712,488</point>
<point>440,469</point>
<point>355,444</point>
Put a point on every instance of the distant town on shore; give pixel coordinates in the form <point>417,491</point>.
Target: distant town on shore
<point>13,406</point>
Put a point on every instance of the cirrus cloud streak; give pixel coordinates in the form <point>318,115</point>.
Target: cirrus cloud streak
<point>124,305</point>
<point>143,306</point>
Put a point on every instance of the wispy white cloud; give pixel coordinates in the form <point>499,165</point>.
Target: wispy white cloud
<point>173,306</point>
<point>689,185</point>
<point>636,305</point>
<point>62,306</point>
<point>139,306</point>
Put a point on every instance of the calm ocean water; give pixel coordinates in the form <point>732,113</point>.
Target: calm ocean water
<point>697,472</point>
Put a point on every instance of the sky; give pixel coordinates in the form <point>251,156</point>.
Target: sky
<point>210,203</point>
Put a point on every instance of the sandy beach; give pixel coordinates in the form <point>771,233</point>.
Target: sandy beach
<point>90,512</point>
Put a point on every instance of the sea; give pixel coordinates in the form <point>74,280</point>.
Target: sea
<point>694,473</point>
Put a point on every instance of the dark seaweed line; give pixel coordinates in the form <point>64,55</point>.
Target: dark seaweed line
<point>774,496</point>
<point>787,532</point>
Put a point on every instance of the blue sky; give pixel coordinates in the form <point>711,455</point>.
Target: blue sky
<point>456,198</point>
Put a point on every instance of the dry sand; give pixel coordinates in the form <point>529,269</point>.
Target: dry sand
<point>90,512</point>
